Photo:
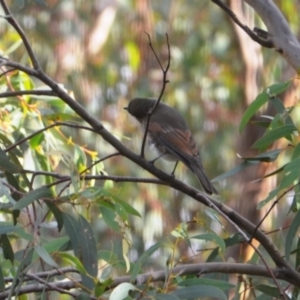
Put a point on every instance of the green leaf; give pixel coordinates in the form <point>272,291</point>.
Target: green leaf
<point>142,259</point>
<point>84,245</point>
<point>199,291</point>
<point>44,255</point>
<point>291,235</point>
<point>6,164</point>
<point>128,208</point>
<point>291,173</point>
<point>8,252</point>
<point>56,244</point>
<point>14,182</point>
<point>108,256</point>
<point>268,156</point>
<point>102,287</point>
<point>134,56</point>
<point>271,196</point>
<point>296,152</point>
<point>31,196</point>
<point>213,238</point>
<point>262,99</point>
<point>269,290</point>
<point>264,124</point>
<point>284,131</point>
<point>79,157</point>
<point>2,282</point>
<point>56,213</point>
<point>8,227</point>
<point>231,241</point>
<point>109,216</point>
<point>13,47</point>
<point>279,170</point>
<point>297,261</point>
<point>278,88</point>
<point>83,296</point>
<point>235,170</point>
<point>36,140</point>
<point>22,269</point>
<point>285,113</point>
<point>74,261</point>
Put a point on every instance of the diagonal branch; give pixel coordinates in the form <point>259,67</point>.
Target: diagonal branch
<point>284,40</point>
<point>253,34</point>
<point>168,179</point>
<point>286,271</point>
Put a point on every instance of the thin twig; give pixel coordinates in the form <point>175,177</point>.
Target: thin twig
<point>65,178</point>
<point>264,42</point>
<point>46,274</point>
<point>165,81</point>
<point>100,160</point>
<point>29,92</point>
<point>269,210</point>
<point>73,125</point>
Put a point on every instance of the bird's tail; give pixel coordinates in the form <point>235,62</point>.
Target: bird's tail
<point>205,182</point>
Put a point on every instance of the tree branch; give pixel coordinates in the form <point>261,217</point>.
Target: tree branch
<point>284,271</point>
<point>31,92</point>
<point>200,269</point>
<point>253,34</point>
<point>165,81</point>
<point>279,30</point>
<point>168,179</point>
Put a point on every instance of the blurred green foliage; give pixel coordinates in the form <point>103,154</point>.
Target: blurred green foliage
<point>98,50</point>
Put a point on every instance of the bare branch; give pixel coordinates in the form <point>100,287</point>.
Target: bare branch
<point>29,92</point>
<point>73,125</point>
<point>207,268</point>
<point>253,34</point>
<point>100,160</point>
<point>156,276</point>
<point>279,30</point>
<point>47,274</point>
<point>165,81</point>
<point>272,206</point>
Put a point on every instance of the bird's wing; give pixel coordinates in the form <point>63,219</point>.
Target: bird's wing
<point>182,145</point>
<point>176,141</point>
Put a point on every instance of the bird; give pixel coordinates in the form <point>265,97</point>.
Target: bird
<point>170,136</point>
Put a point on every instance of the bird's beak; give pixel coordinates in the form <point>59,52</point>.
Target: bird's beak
<point>126,108</point>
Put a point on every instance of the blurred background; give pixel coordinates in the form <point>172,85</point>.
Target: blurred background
<point>99,50</point>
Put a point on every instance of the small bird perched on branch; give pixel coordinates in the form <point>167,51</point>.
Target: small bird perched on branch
<point>170,136</point>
